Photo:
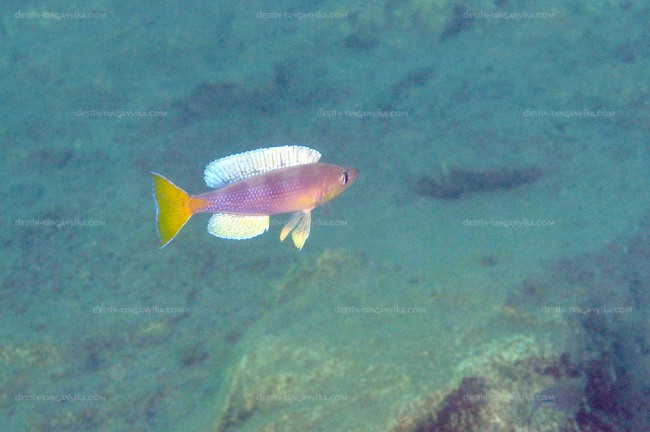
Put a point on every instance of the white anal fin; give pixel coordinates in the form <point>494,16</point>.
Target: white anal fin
<point>237,227</point>
<point>299,226</point>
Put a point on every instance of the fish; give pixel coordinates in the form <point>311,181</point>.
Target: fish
<point>249,187</point>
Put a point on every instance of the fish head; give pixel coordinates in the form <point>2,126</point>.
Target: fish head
<point>337,180</point>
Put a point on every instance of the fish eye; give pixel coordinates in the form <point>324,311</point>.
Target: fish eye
<point>344,178</point>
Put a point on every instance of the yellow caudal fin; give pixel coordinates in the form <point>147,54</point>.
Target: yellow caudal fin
<point>173,208</point>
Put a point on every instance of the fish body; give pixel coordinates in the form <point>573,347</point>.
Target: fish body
<point>285,190</point>
<point>251,186</point>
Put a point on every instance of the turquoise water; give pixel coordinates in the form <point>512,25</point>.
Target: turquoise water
<point>493,251</point>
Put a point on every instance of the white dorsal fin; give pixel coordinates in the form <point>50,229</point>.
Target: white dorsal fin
<point>255,162</point>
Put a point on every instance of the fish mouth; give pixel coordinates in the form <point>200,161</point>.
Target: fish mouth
<point>353,173</point>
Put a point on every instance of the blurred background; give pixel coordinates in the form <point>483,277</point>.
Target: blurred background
<point>489,269</point>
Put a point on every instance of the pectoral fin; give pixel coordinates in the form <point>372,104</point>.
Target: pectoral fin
<point>299,226</point>
<point>237,227</point>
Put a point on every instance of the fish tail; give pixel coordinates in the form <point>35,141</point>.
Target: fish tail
<point>173,208</point>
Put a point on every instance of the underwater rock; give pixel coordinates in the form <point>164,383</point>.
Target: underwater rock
<point>460,182</point>
<point>31,355</point>
<point>91,418</point>
<point>459,411</point>
<point>193,355</point>
<point>279,374</point>
<point>210,99</point>
<point>567,396</point>
<point>457,22</point>
<point>412,81</point>
<point>360,43</point>
<point>330,267</point>
<point>149,334</point>
<point>48,157</point>
<point>619,375</point>
<point>495,394</point>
